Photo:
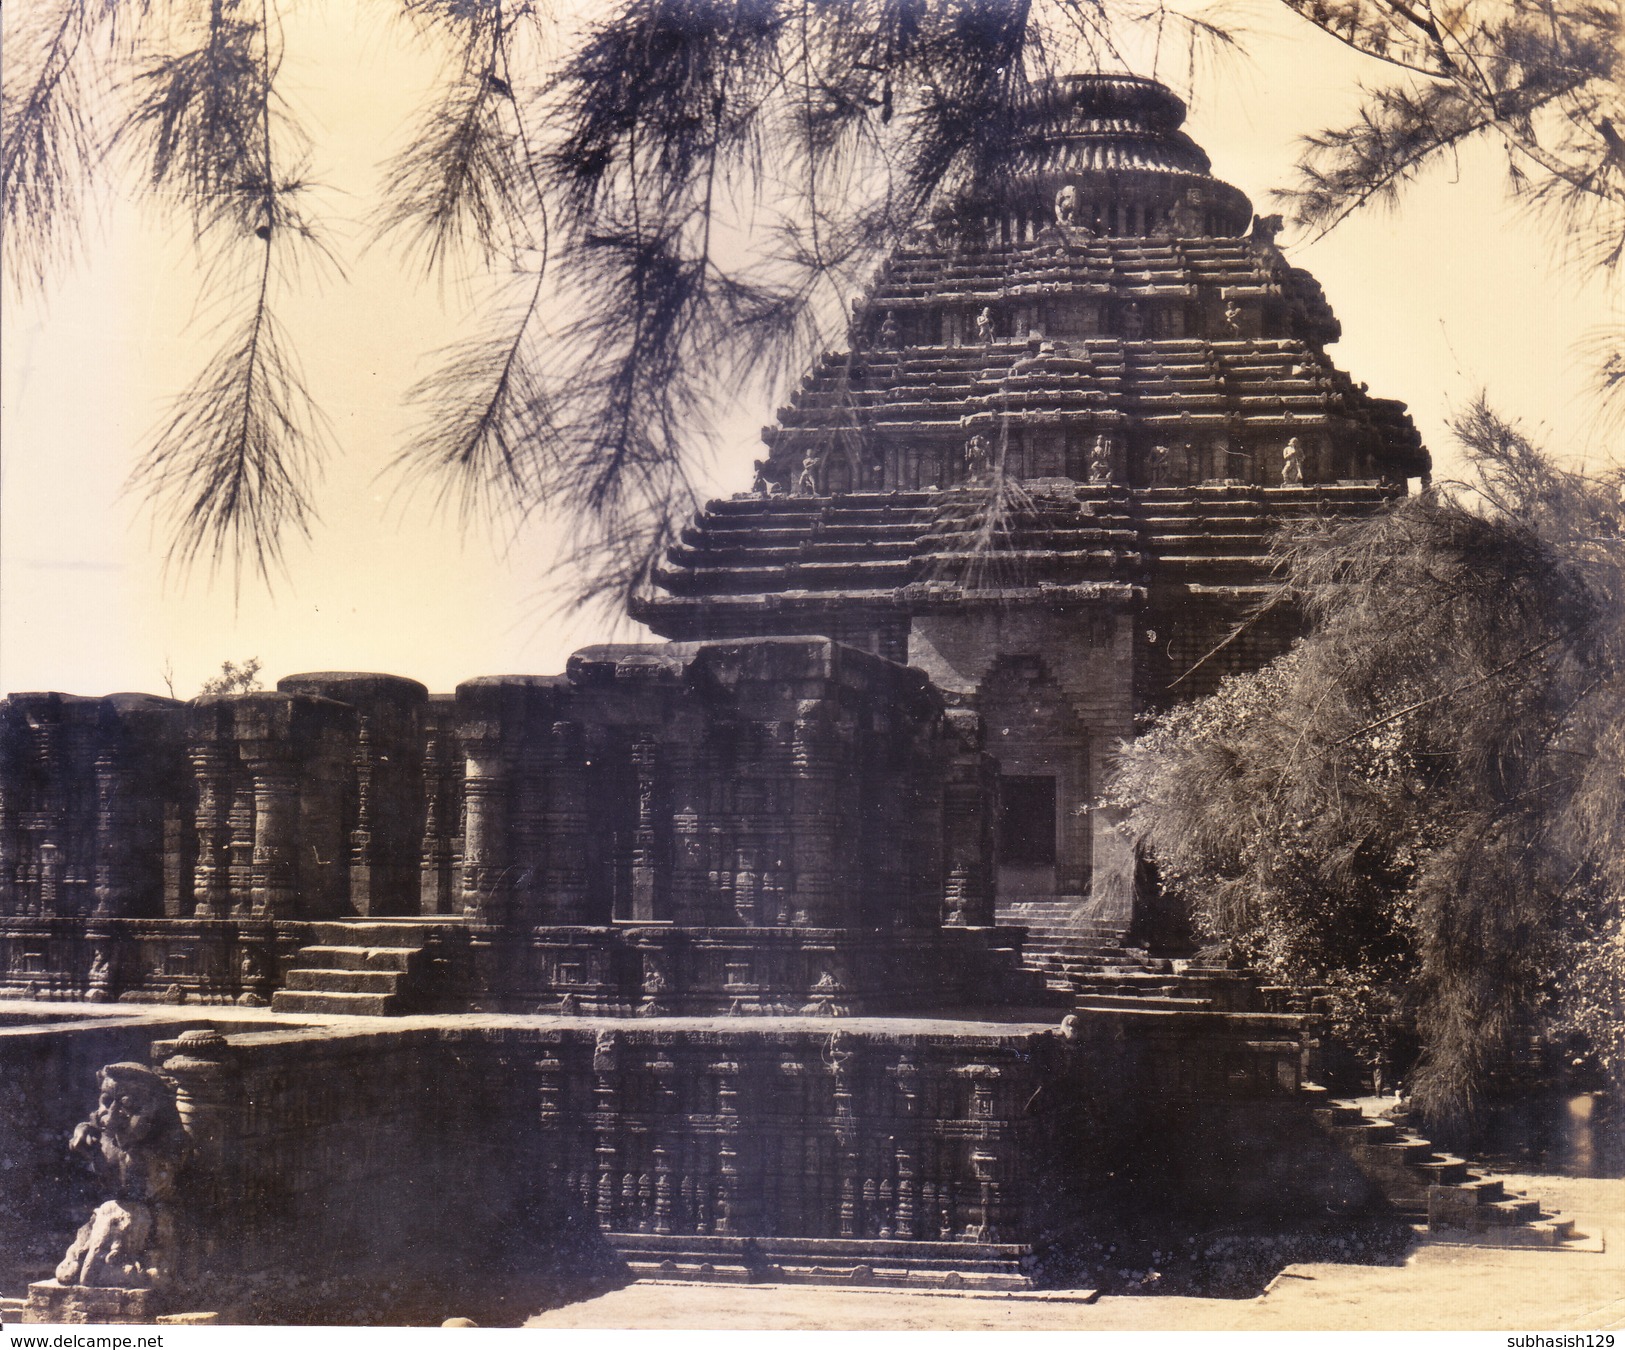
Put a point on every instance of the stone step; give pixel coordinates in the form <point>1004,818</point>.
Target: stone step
<point>1125,980</point>
<point>1404,1152</point>
<point>1114,1002</point>
<point>1439,1189</point>
<point>365,933</point>
<point>353,1005</point>
<point>326,981</point>
<point>1368,1131</point>
<point>1488,1189</point>
<point>1442,1171</point>
<point>1088,987</point>
<point>875,1261</point>
<point>357,958</point>
<point>1501,1213</point>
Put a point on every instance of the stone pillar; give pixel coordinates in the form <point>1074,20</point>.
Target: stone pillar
<point>8,850</point>
<point>485,828</point>
<point>730,1200</point>
<point>50,879</point>
<point>240,845</point>
<point>565,824</point>
<point>648,898</point>
<point>115,828</point>
<point>274,890</point>
<point>212,767</point>
<point>606,1120</point>
<point>815,819</point>
<point>969,791</point>
<point>440,816</point>
<point>208,1097</point>
<point>693,900</point>
<point>49,824</point>
<point>364,898</point>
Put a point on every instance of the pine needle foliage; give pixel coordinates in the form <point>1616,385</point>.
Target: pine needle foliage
<point>1425,799</point>
<point>232,466</point>
<point>697,186</point>
<point>1543,80</point>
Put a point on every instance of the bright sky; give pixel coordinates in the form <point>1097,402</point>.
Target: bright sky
<point>1458,291</point>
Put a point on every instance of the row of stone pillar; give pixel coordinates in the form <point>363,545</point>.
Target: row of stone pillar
<point>621,1146</point>
<point>800,795</point>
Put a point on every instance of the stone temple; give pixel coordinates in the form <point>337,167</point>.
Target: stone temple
<point>791,948</point>
<point>1127,366</point>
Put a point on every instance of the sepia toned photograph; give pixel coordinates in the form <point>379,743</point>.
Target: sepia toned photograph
<point>839,665</point>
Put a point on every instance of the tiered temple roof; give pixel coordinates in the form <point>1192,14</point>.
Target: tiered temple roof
<point>1110,392</point>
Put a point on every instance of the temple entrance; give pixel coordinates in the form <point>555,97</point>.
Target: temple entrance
<point>1027,820</point>
<point>1043,754</point>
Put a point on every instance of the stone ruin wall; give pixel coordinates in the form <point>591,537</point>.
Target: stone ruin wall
<point>682,827</point>
<point>329,1165</point>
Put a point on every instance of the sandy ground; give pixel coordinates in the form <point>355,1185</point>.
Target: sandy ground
<point>1438,1288</point>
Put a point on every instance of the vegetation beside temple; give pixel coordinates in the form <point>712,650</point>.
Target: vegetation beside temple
<point>1422,805</point>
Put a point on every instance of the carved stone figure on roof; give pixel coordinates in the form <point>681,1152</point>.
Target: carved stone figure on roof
<point>888,330</point>
<point>1187,215</point>
<point>135,1144</point>
<point>1265,228</point>
<point>806,479</point>
<point>1291,464</point>
<point>1100,461</point>
<point>984,326</point>
<point>1066,205</point>
<point>1133,321</point>
<point>758,483</point>
<point>1232,317</point>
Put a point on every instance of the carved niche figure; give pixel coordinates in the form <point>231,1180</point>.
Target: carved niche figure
<point>888,330</point>
<point>977,457</point>
<point>135,1144</point>
<point>1162,466</point>
<point>1232,316</point>
<point>1292,464</point>
<point>806,479</point>
<point>1066,205</point>
<point>252,977</point>
<point>826,997</point>
<point>655,986</point>
<point>1133,322</point>
<point>1100,461</point>
<point>758,483</point>
<point>101,977</point>
<point>984,325</point>
<point>1187,215</point>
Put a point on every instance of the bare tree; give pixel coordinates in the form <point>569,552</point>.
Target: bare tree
<point>234,678</point>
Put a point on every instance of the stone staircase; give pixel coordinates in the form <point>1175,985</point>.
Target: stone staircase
<point>1061,945</point>
<point>1444,1192</point>
<point>904,1264</point>
<point>361,969</point>
<point>1090,960</point>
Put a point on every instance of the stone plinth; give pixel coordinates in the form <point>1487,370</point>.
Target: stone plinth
<point>79,1305</point>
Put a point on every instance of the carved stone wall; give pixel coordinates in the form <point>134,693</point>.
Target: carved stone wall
<point>765,825</point>
<point>326,1160</point>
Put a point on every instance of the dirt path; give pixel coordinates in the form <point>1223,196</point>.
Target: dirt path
<point>1438,1288</point>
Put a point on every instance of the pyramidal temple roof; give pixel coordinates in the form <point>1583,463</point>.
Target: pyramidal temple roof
<point>1116,140</point>
<point>1110,343</point>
